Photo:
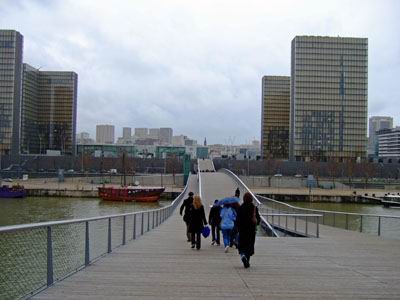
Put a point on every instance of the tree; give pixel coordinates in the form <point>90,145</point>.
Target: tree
<point>350,168</point>
<point>333,168</point>
<point>368,171</point>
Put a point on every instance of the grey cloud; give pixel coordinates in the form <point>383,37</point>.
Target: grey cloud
<point>194,67</point>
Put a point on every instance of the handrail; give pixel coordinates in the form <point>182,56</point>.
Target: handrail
<point>328,211</point>
<point>292,215</point>
<point>74,221</point>
<point>230,173</point>
<point>30,241</point>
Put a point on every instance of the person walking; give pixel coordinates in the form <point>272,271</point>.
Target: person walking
<point>197,222</point>
<point>237,193</point>
<point>247,219</point>
<point>187,205</point>
<point>214,219</point>
<point>228,217</point>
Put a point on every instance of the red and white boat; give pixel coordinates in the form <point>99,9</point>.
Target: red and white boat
<point>131,193</point>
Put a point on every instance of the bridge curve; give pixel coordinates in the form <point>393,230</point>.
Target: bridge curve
<point>160,264</point>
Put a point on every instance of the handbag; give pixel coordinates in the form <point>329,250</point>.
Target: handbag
<point>205,231</point>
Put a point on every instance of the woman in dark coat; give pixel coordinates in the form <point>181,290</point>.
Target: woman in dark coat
<point>247,220</point>
<point>197,222</point>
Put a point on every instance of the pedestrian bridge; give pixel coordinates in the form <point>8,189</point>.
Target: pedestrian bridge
<point>145,255</point>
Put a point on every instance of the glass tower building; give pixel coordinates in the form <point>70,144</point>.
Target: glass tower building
<point>11,46</point>
<point>275,110</point>
<point>48,111</point>
<point>328,98</point>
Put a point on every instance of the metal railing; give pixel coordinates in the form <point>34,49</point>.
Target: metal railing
<point>34,256</point>
<point>273,219</point>
<point>302,225</point>
<point>381,225</point>
<point>264,222</point>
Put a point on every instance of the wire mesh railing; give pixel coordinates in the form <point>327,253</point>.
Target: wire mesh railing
<point>34,256</point>
<point>381,225</point>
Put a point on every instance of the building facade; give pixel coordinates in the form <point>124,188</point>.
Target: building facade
<point>49,104</point>
<point>11,53</point>
<point>275,110</point>
<point>166,136</point>
<point>126,132</point>
<point>154,133</point>
<point>389,143</point>
<point>328,98</point>
<point>105,134</point>
<point>377,123</point>
<point>141,133</point>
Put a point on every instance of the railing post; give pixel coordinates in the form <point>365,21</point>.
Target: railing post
<point>134,227</point>
<point>148,221</point>
<point>317,226</point>
<point>87,257</point>
<point>279,217</point>
<point>153,220</point>
<point>49,257</point>
<point>124,230</point>
<point>361,223</point>
<point>347,222</point>
<point>157,218</point>
<point>109,235</point>
<point>286,222</point>
<point>306,226</point>
<point>141,227</point>
<point>379,225</point>
<point>295,223</point>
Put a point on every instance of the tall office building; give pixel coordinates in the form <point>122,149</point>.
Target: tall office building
<point>389,143</point>
<point>328,98</point>
<point>166,136</point>
<point>377,123</point>
<point>126,133</point>
<point>49,104</point>
<point>275,117</point>
<point>105,134</point>
<point>141,133</point>
<point>154,133</point>
<point>11,48</point>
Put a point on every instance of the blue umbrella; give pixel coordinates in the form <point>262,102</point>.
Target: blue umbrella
<point>228,200</point>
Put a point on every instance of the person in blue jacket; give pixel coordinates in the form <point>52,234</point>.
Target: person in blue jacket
<point>228,217</point>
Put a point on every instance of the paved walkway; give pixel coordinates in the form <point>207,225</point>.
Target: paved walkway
<point>161,265</point>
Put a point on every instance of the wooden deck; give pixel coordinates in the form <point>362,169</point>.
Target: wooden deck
<point>161,265</point>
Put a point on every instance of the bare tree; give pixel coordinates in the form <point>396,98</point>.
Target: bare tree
<point>368,171</point>
<point>315,167</point>
<point>333,168</point>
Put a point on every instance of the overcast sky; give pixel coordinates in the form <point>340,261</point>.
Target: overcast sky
<point>195,66</point>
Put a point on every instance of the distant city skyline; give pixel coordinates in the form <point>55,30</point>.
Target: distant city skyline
<point>195,69</point>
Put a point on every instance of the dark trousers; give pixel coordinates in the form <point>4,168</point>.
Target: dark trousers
<point>188,234</point>
<point>215,233</point>
<point>196,239</point>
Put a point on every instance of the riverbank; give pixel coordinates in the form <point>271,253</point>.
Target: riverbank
<point>324,195</point>
<point>50,187</point>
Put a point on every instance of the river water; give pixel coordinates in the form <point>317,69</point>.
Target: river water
<point>349,207</point>
<point>38,209</point>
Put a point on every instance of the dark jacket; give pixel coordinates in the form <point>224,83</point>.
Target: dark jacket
<point>197,220</point>
<point>214,217</point>
<point>246,227</point>
<point>187,205</point>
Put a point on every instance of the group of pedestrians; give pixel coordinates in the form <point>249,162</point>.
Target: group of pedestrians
<point>238,223</point>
